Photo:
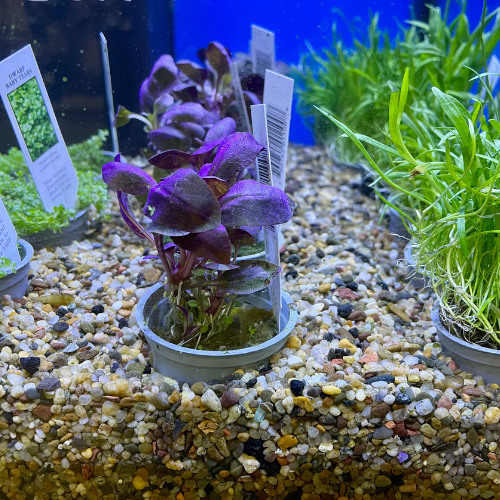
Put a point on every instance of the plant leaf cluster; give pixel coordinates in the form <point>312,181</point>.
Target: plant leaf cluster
<point>454,210</point>
<point>354,84</point>
<point>207,213</point>
<point>6,267</point>
<point>21,198</point>
<point>180,102</point>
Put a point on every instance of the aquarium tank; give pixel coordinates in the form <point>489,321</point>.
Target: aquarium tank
<point>249,250</point>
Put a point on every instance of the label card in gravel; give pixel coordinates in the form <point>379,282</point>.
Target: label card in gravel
<point>263,167</point>
<point>8,237</point>
<point>32,117</point>
<point>262,50</point>
<point>243,122</point>
<point>278,95</point>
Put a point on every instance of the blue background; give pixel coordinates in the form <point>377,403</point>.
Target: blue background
<point>198,22</point>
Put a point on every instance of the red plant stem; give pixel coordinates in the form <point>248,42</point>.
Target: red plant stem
<point>186,271</point>
<point>163,256</point>
<point>182,259</point>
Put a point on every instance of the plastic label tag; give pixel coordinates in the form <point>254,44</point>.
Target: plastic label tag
<point>271,233</point>
<point>32,117</point>
<point>244,122</point>
<point>278,95</point>
<point>8,237</point>
<point>262,50</point>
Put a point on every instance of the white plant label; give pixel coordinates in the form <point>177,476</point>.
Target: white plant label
<point>8,237</point>
<point>271,233</point>
<point>262,50</point>
<point>240,99</point>
<point>32,117</point>
<point>278,95</point>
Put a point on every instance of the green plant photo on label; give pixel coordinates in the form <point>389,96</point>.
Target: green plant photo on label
<point>33,118</point>
<point>23,202</point>
<point>6,267</point>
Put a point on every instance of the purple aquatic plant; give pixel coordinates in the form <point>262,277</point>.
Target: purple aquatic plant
<point>182,103</point>
<point>201,215</point>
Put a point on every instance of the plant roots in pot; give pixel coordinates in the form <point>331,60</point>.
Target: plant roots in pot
<point>191,365</point>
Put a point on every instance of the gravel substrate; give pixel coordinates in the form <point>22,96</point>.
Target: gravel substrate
<point>359,405</point>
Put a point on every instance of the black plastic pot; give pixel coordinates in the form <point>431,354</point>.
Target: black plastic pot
<point>75,231</point>
<point>15,284</point>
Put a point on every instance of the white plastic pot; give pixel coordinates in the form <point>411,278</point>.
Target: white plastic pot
<point>469,357</point>
<point>191,365</point>
<point>15,284</point>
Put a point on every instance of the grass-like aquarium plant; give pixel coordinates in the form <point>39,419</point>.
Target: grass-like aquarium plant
<point>181,101</point>
<point>454,208</point>
<point>354,84</point>
<point>201,215</point>
<point>21,198</point>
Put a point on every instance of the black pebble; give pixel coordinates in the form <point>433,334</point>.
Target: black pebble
<point>30,364</point>
<point>31,276</point>
<point>60,326</point>
<point>402,399</point>
<point>62,311</point>
<point>383,285</point>
<point>314,392</point>
<point>293,259</point>
<point>352,286</point>
<point>297,387</point>
<point>254,448</point>
<point>353,331</point>
<point>328,336</point>
<point>344,310</point>
<point>98,309</point>
<point>114,367</point>
<point>320,253</point>
<point>147,370</point>
<point>348,402</point>
<point>293,274</point>
<point>146,252</point>
<point>251,382</point>
<point>338,353</point>
<point>123,323</point>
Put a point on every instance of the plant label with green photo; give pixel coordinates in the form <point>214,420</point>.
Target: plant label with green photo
<point>264,176</point>
<point>262,50</point>
<point>278,95</point>
<point>8,240</point>
<point>32,117</point>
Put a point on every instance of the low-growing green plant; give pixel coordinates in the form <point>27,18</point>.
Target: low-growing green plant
<point>354,84</point>
<point>6,267</point>
<point>454,217</point>
<point>21,198</point>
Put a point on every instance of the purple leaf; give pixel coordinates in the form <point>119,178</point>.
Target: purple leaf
<point>252,229</point>
<point>146,98</point>
<point>127,178</point>
<point>149,257</point>
<point>168,137</point>
<point>218,186</point>
<point>172,160</point>
<point>249,203</point>
<point>205,169</point>
<point>213,245</point>
<point>163,103</point>
<point>183,201</point>
<point>130,220</point>
<point>193,71</point>
<point>164,73</point>
<point>218,57</point>
<point>185,92</point>
<point>251,98</point>
<point>221,130</point>
<point>193,129</point>
<point>154,227</point>
<point>250,277</point>
<point>186,112</point>
<point>207,148</point>
<point>240,237</point>
<point>214,266</point>
<point>235,153</point>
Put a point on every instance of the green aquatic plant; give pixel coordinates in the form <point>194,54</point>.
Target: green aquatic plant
<point>21,199</point>
<point>33,118</point>
<point>353,84</point>
<point>454,214</point>
<point>6,267</point>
